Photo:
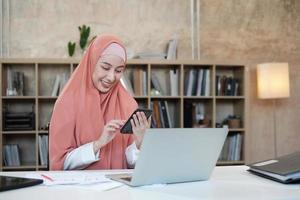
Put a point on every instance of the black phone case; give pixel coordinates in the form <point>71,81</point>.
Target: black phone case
<point>127,129</point>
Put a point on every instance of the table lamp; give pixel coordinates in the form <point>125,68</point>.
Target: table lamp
<point>273,83</point>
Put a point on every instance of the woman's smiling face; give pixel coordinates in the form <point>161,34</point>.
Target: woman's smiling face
<point>108,71</point>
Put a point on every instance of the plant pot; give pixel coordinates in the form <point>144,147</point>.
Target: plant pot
<point>234,123</point>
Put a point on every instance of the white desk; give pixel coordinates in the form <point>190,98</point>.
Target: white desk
<point>225,183</point>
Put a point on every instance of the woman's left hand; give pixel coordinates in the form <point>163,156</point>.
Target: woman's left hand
<point>139,125</point>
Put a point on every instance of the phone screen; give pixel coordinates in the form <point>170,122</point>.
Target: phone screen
<point>127,128</point>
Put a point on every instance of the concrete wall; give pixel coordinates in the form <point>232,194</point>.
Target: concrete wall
<point>251,32</point>
<point>43,28</point>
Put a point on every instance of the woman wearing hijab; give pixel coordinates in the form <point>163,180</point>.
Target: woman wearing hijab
<point>87,116</point>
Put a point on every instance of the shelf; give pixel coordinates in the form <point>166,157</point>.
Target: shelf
<point>236,129</point>
<point>43,132</point>
<point>47,97</point>
<point>183,111</point>
<point>18,97</point>
<point>223,163</point>
<point>140,97</point>
<point>18,132</point>
<point>24,73</point>
<point>23,167</point>
<point>198,97</point>
<point>230,97</point>
<point>51,74</point>
<point>165,97</point>
<point>42,167</point>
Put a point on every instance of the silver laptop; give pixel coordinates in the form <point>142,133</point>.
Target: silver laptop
<point>174,155</point>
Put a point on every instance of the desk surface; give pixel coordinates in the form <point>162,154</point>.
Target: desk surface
<point>226,183</point>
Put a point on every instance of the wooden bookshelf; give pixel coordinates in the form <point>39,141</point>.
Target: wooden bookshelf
<point>40,76</point>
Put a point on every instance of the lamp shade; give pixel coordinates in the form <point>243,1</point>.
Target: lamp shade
<point>273,80</point>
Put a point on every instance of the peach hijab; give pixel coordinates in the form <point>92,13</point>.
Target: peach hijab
<point>81,112</point>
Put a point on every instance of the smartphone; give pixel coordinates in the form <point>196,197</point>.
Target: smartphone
<point>127,128</point>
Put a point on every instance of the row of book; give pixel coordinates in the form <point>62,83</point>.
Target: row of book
<point>161,115</point>
<point>227,86</point>
<point>136,83</point>
<point>11,155</point>
<point>11,152</point>
<point>15,83</point>
<point>172,81</point>
<point>197,82</point>
<point>59,83</point>
<point>232,148</point>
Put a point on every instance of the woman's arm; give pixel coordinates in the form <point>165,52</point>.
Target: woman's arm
<point>81,157</point>
<point>132,154</point>
<point>85,155</point>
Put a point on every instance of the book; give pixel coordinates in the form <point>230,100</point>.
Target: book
<point>43,149</point>
<point>15,83</point>
<point>284,169</point>
<point>191,82</point>
<point>11,155</point>
<point>163,119</point>
<point>188,115</point>
<point>165,114</point>
<point>144,82</point>
<point>232,148</point>
<point>207,83</point>
<point>55,86</point>
<point>199,83</point>
<point>138,81</point>
<point>156,114</point>
<point>153,119</point>
<point>174,82</point>
<point>218,85</point>
<point>156,86</point>
<point>125,81</point>
<point>172,49</point>
<point>170,120</point>
<point>150,55</point>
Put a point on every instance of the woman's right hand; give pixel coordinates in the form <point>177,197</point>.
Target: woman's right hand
<point>109,132</point>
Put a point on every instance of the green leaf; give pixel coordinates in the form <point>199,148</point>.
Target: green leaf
<point>71,48</point>
<point>84,34</point>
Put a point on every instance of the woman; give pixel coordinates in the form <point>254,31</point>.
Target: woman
<point>87,116</point>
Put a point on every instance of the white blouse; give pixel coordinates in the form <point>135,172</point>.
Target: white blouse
<point>84,155</point>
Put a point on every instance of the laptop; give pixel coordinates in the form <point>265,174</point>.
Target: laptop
<point>9,182</point>
<point>175,155</point>
<point>284,169</point>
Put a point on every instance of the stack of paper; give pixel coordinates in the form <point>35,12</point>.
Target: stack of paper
<point>69,178</point>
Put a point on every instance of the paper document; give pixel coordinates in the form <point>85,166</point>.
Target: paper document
<point>70,177</point>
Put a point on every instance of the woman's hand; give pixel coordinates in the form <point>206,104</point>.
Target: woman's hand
<point>109,132</point>
<point>139,125</point>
